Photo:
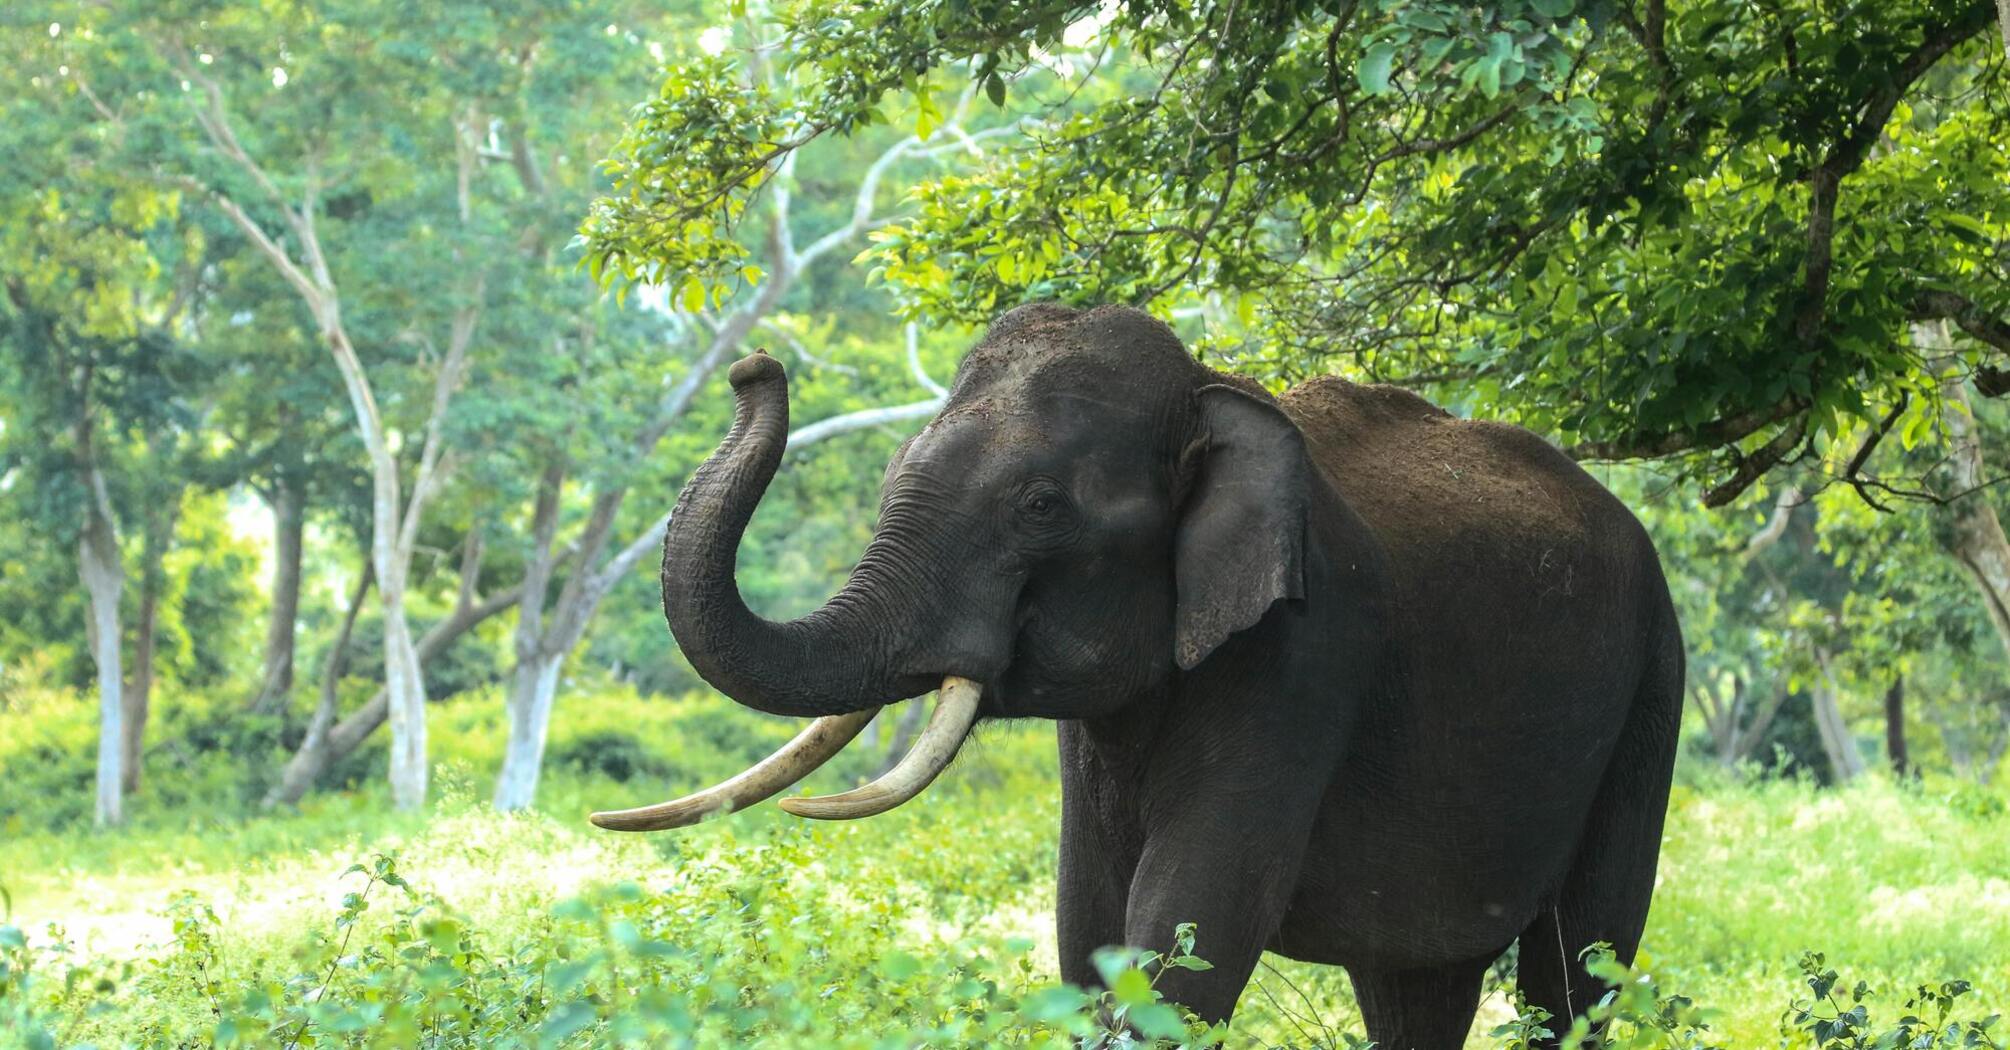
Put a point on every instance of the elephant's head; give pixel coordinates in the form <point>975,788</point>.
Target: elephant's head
<point>1091,512</point>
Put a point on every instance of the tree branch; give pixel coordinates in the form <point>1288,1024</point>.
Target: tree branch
<point>1783,509</point>
<point>824,429</point>
<point>913,334</point>
<point>1751,467</point>
<point>1824,182</point>
<point>861,208</point>
<point>1970,318</point>
<point>1714,434</point>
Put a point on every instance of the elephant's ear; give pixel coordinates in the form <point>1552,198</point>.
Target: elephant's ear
<point>1241,540</point>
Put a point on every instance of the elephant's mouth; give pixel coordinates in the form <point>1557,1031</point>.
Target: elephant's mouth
<point>933,750</point>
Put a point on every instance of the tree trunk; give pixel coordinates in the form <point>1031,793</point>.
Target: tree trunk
<point>103,578</point>
<point>138,696</point>
<point>1894,728</point>
<point>311,758</point>
<point>1976,537</point>
<point>535,678</point>
<point>405,693</point>
<point>289,522</point>
<point>1845,761</point>
<point>533,689</point>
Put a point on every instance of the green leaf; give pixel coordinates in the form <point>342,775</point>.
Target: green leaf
<point>994,89</point>
<point>1132,987</point>
<point>1373,72</point>
<point>1552,8</point>
<point>1158,1021</point>
<point>1488,76</point>
<point>692,296</point>
<point>564,1023</point>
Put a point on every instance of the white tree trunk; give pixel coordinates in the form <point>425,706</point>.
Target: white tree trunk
<point>103,579</point>
<point>405,688</point>
<point>1845,761</point>
<point>533,688</point>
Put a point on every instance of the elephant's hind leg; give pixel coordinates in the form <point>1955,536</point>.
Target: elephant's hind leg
<point>1604,898</point>
<point>1427,1009</point>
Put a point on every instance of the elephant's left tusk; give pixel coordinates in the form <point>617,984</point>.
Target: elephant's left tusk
<point>954,713</point>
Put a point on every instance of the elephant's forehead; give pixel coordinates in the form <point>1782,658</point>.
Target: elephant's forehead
<point>979,429</point>
<point>1086,433</point>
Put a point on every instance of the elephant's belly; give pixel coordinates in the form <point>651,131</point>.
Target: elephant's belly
<point>1421,921</point>
<point>1396,878</point>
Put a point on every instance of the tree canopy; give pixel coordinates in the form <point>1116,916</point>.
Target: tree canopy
<point>1693,230</point>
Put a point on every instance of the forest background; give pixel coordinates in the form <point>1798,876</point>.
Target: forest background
<point>350,364</point>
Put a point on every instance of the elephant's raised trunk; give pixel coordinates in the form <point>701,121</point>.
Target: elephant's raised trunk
<point>832,661</point>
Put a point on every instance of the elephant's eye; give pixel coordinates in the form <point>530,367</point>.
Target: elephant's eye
<point>1045,516</point>
<point>1041,498</point>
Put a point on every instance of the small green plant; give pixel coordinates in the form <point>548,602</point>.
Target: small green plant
<point>1928,1023</point>
<point>1636,1014</point>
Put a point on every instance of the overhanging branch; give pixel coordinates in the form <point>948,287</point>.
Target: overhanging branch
<point>1714,434</point>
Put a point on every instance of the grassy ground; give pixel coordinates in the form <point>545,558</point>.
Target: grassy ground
<point>931,924</point>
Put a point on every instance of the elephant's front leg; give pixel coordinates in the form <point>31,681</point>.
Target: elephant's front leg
<point>1095,872</point>
<point>1227,872</point>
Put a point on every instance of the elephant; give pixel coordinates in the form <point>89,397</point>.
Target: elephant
<point>1336,674</point>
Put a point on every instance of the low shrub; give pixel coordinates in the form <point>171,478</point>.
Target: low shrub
<point>733,955</point>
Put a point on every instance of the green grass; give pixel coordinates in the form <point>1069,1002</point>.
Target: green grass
<point>930,925</point>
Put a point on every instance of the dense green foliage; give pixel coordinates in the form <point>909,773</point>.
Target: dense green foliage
<point>1761,246</point>
<point>1645,229</point>
<point>929,926</point>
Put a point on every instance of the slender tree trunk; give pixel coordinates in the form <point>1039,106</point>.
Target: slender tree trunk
<point>535,679</point>
<point>289,523</point>
<point>104,578</point>
<point>405,693</point>
<point>1845,761</point>
<point>311,758</point>
<point>1975,538</point>
<point>533,689</point>
<point>138,696</point>
<point>1894,728</point>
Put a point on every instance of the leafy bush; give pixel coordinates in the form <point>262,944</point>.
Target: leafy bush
<point>616,755</point>
<point>728,955</point>
<point>929,926</point>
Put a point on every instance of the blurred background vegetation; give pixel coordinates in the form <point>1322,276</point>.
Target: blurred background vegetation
<point>350,361</point>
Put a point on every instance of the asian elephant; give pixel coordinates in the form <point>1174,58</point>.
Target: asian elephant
<point>1336,674</point>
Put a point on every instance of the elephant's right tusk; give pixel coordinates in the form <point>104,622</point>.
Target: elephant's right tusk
<point>795,760</point>
<point>931,754</point>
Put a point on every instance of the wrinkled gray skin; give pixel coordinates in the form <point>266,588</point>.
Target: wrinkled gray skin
<point>1336,674</point>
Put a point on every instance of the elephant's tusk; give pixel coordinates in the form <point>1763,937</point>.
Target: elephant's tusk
<point>795,760</point>
<point>932,752</point>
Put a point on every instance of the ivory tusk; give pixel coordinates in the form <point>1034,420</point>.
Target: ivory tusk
<point>932,752</point>
<point>795,760</point>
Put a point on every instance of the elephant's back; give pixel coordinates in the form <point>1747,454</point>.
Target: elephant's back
<point>1492,535</point>
<point>1432,484</point>
<point>1528,604</point>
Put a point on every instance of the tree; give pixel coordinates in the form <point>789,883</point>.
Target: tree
<point>327,160</point>
<point>96,276</point>
<point>1696,232</point>
<point>706,337</point>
